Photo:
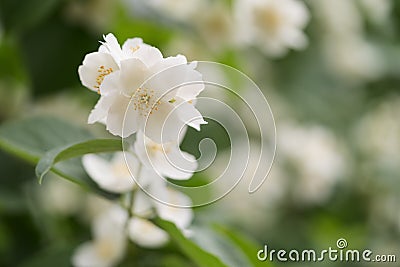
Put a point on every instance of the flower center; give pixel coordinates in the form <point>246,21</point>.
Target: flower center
<point>134,49</point>
<point>268,18</point>
<point>145,101</point>
<point>121,170</point>
<point>102,73</point>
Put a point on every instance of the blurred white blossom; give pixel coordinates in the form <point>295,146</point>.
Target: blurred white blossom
<point>177,9</point>
<point>214,22</point>
<point>166,159</point>
<point>146,234</point>
<point>354,59</point>
<point>60,197</point>
<point>347,51</point>
<point>94,14</point>
<point>378,11</point>
<point>115,175</point>
<point>317,155</point>
<point>377,135</point>
<point>171,205</point>
<point>109,242</point>
<point>273,25</point>
<point>349,23</point>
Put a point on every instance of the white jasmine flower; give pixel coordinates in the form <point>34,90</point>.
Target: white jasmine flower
<point>273,25</point>
<point>130,100</point>
<point>115,175</point>
<point>97,65</point>
<point>147,106</point>
<point>108,245</point>
<point>166,159</point>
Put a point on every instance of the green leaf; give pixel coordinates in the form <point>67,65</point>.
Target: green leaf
<point>31,138</point>
<point>192,250</point>
<point>219,245</point>
<point>248,246</point>
<point>75,150</point>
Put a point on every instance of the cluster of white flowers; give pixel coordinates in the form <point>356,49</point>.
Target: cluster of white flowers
<point>275,26</point>
<point>141,93</point>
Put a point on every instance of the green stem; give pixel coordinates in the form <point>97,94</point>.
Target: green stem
<point>131,198</point>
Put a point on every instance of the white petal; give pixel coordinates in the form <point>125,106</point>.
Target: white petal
<point>113,47</point>
<point>163,125</point>
<point>176,164</point>
<point>178,60</point>
<point>108,175</point>
<point>168,75</point>
<point>94,68</point>
<point>182,215</point>
<point>189,114</point>
<point>122,119</point>
<point>149,55</point>
<point>110,223</point>
<point>100,111</point>
<point>133,74</point>
<point>146,234</point>
<point>142,204</point>
<point>140,149</point>
<point>195,83</point>
<point>86,255</point>
<point>99,170</point>
<point>131,45</point>
<point>111,84</point>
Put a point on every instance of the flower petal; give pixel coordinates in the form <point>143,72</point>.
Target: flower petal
<point>131,45</point>
<point>85,255</point>
<point>133,73</point>
<point>111,84</point>
<point>195,83</point>
<point>182,215</point>
<point>112,46</point>
<point>189,114</point>
<point>146,234</point>
<point>163,124</point>
<point>106,174</point>
<point>100,111</point>
<point>176,164</point>
<point>95,67</point>
<point>110,223</point>
<point>122,119</point>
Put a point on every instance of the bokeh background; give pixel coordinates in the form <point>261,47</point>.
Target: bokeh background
<point>336,104</point>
